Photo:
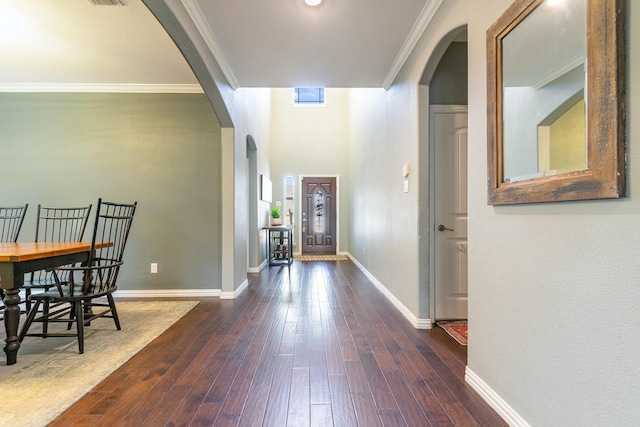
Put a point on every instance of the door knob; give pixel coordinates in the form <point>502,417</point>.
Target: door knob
<point>443,228</point>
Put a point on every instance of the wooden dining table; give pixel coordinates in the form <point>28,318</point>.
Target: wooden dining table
<point>16,259</point>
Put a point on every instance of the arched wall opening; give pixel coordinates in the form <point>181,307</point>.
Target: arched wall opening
<point>253,247</point>
<point>431,76</point>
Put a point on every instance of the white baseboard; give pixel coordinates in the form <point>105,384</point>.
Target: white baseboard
<point>415,321</point>
<point>181,293</point>
<point>167,293</point>
<point>494,400</point>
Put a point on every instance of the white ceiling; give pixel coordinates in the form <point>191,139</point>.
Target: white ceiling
<point>284,43</point>
<point>74,42</point>
<point>258,43</point>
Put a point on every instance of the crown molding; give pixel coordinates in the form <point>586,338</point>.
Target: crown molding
<point>562,70</point>
<point>427,13</point>
<point>210,39</point>
<point>105,88</point>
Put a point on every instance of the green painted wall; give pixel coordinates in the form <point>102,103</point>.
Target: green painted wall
<point>162,150</point>
<point>449,82</point>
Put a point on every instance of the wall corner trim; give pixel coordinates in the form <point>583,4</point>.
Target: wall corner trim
<point>257,269</point>
<point>415,321</point>
<point>235,294</point>
<point>494,400</point>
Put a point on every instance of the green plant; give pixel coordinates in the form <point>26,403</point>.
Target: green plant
<point>275,212</point>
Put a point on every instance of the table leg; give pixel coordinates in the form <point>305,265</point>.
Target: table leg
<point>11,320</point>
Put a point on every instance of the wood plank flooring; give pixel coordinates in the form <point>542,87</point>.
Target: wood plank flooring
<point>313,345</point>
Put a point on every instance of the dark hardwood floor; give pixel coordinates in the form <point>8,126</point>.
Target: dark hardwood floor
<point>316,345</point>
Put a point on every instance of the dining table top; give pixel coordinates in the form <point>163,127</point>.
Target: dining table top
<point>25,251</point>
<point>19,258</point>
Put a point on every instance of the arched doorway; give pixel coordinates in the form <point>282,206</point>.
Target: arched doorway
<point>444,82</point>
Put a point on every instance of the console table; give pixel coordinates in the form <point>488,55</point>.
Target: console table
<point>280,244</point>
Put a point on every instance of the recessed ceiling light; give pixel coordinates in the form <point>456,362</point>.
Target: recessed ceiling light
<point>313,2</point>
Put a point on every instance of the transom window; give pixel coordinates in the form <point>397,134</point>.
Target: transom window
<point>308,95</point>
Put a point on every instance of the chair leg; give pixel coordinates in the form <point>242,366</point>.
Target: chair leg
<point>80,325</point>
<point>88,312</point>
<point>27,300</point>
<point>28,321</point>
<point>72,314</point>
<point>45,317</point>
<point>114,312</point>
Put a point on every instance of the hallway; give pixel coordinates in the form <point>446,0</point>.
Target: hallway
<point>313,345</point>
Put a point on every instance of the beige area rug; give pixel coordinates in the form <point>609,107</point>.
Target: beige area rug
<point>50,375</point>
<point>320,257</point>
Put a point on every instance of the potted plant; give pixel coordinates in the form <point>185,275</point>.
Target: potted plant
<point>275,216</point>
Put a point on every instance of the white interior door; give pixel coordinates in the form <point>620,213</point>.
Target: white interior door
<point>449,132</point>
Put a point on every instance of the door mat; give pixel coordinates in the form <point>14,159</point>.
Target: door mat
<point>456,328</point>
<point>321,257</point>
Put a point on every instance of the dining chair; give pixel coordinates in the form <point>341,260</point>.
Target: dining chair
<point>55,224</point>
<point>85,285</point>
<point>11,219</point>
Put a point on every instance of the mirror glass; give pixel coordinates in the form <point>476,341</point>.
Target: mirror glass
<point>556,110</point>
<point>543,79</point>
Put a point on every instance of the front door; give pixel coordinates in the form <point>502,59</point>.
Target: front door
<point>449,133</point>
<point>318,215</point>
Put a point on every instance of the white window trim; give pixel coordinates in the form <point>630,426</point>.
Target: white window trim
<point>307,104</point>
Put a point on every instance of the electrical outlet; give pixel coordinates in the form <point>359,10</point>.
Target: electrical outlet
<point>154,267</point>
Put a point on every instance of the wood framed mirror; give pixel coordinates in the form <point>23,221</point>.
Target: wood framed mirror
<point>556,75</point>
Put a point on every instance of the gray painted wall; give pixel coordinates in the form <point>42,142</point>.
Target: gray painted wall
<point>384,219</point>
<point>162,150</point>
<point>548,284</point>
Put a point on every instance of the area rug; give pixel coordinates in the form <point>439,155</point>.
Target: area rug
<point>50,375</point>
<point>458,329</point>
<point>320,257</point>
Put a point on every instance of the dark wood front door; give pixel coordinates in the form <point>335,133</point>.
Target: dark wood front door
<point>319,215</point>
